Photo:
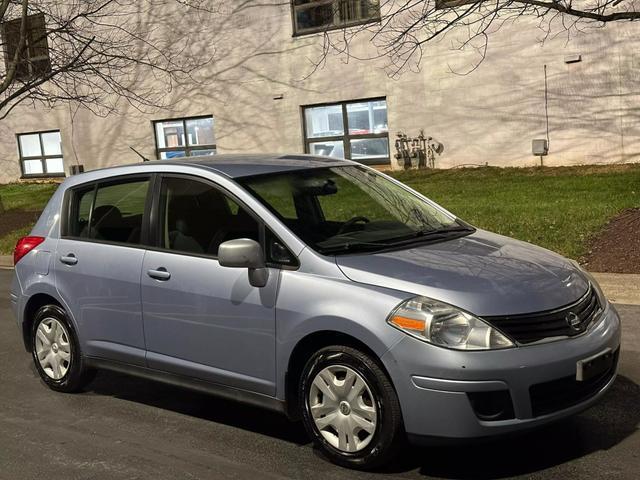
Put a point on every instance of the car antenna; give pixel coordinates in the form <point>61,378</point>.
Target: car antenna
<point>144,159</point>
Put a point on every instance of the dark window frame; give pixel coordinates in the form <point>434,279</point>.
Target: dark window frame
<point>27,59</point>
<point>187,149</point>
<point>325,28</point>
<point>346,137</point>
<point>43,158</point>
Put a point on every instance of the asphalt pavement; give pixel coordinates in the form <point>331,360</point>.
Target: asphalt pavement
<point>127,428</point>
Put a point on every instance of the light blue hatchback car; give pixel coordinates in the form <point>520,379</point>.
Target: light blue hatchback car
<point>313,286</point>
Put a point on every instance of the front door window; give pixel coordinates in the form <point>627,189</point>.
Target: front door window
<point>197,218</point>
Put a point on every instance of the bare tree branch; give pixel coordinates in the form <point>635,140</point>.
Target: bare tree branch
<point>99,54</point>
<point>406,27</point>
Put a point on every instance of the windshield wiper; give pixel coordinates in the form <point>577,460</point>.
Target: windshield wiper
<point>356,245</point>
<point>353,246</point>
<point>443,231</point>
<point>430,234</point>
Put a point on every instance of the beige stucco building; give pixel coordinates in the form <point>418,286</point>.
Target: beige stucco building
<point>252,98</point>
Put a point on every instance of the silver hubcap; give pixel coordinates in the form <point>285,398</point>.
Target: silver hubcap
<point>52,348</point>
<point>343,408</point>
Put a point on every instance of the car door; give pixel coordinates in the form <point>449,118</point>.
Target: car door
<point>201,319</point>
<point>98,263</point>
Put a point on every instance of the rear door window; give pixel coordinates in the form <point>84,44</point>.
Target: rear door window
<point>117,213</point>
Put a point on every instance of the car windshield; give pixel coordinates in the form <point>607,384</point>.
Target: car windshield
<point>346,209</point>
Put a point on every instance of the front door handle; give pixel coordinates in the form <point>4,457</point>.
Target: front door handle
<point>159,274</point>
<point>69,259</point>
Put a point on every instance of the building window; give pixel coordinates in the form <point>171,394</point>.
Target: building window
<point>34,59</point>
<point>442,4</point>
<point>311,16</point>
<point>41,154</point>
<point>185,137</point>
<point>355,130</point>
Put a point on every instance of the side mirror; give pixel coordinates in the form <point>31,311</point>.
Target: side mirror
<point>245,253</point>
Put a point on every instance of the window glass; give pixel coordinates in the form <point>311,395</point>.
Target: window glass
<point>362,134</point>
<point>79,220</point>
<point>54,165</point>
<point>172,154</point>
<point>367,117</point>
<point>324,121</point>
<point>368,148</point>
<point>277,252</point>
<point>200,131</point>
<point>202,153</point>
<point>170,133</point>
<point>185,137</point>
<point>118,212</point>
<point>32,167</point>
<point>440,4</point>
<point>353,185</point>
<point>197,218</point>
<point>343,210</point>
<point>52,143</point>
<point>277,193</point>
<point>327,149</point>
<point>314,15</point>
<point>34,59</point>
<point>41,154</point>
<point>30,145</point>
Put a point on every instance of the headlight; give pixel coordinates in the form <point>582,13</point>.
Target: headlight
<point>446,326</point>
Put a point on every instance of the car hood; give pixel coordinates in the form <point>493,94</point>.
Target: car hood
<point>483,273</point>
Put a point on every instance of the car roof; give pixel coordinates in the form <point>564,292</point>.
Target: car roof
<point>245,165</point>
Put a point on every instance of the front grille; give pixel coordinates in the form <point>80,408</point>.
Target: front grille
<point>567,321</point>
<point>549,397</point>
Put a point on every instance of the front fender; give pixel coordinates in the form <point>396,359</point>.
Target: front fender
<point>308,304</point>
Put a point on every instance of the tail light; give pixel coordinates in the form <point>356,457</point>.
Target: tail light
<point>24,246</point>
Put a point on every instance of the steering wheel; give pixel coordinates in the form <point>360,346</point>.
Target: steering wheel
<point>351,222</point>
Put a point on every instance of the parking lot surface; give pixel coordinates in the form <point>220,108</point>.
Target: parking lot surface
<point>127,428</point>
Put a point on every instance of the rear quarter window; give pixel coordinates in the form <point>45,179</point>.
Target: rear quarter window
<point>80,211</point>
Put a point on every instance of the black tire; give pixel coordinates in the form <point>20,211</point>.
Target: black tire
<point>77,375</point>
<point>389,432</point>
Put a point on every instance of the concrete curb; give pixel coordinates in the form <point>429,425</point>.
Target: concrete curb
<point>619,287</point>
<point>6,261</point>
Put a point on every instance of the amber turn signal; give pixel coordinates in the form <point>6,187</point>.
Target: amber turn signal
<point>408,323</point>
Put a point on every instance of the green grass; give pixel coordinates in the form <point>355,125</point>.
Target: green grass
<point>26,196</point>
<point>8,242</point>
<point>557,208</point>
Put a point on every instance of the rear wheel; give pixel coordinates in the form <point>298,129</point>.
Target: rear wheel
<point>56,351</point>
<point>350,408</point>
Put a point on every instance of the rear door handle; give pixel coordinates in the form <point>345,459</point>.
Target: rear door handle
<point>69,259</point>
<point>159,274</point>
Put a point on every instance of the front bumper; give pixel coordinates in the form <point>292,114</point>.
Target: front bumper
<point>433,383</point>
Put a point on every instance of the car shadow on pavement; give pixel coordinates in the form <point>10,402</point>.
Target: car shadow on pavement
<point>602,427</point>
<point>198,405</point>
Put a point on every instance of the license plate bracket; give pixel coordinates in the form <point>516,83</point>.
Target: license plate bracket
<point>590,367</point>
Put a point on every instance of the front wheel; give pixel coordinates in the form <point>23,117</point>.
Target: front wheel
<point>350,408</point>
